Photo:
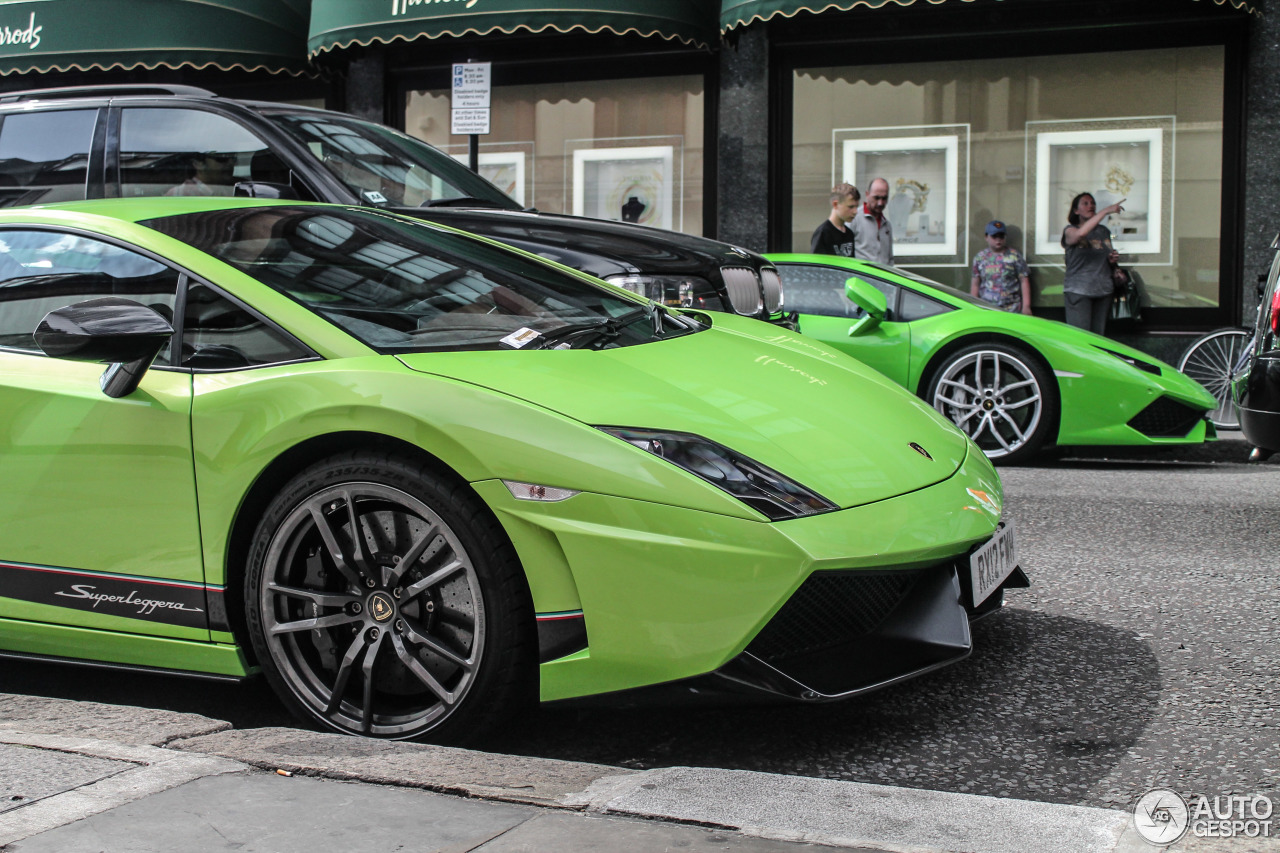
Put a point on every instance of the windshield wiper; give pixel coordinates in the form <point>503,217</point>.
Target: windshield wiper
<point>583,334</point>
<point>462,201</point>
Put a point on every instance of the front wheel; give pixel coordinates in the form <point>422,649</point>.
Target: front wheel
<point>383,600</point>
<point>1000,396</point>
<point>1213,361</point>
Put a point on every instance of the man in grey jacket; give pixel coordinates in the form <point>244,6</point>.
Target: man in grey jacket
<point>872,233</point>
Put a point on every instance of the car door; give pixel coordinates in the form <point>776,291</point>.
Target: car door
<point>99,508</point>
<point>50,154</point>
<point>816,292</point>
<point>169,150</point>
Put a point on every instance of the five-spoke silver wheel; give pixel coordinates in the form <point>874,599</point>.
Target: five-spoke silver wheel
<point>369,606</point>
<point>999,395</point>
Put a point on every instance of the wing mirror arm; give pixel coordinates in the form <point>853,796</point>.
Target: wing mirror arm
<point>871,300</point>
<point>120,333</point>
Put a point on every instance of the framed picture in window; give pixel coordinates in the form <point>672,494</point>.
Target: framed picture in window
<point>504,165</point>
<point>927,170</point>
<point>1127,160</point>
<point>627,183</point>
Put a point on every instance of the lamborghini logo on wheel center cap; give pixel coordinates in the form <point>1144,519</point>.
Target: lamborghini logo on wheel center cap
<point>380,607</point>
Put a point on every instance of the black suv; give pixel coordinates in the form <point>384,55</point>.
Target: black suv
<point>113,141</point>
<point>1256,382</point>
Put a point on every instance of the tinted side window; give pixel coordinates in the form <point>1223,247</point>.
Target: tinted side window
<point>812,289</point>
<point>44,270</point>
<point>44,156</point>
<point>219,334</point>
<point>169,151</point>
<point>917,307</point>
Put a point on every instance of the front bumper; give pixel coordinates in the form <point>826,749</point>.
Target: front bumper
<point>910,624</point>
<point>1257,395</point>
<point>668,594</point>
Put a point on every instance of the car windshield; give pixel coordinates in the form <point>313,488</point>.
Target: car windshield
<point>401,285</point>
<point>385,167</point>
<point>945,288</point>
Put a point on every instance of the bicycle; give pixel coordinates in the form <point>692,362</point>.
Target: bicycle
<point>1214,360</point>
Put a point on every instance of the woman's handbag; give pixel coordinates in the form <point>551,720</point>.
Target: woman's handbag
<point>1127,304</point>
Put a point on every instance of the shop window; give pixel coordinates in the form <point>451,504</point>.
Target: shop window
<point>962,143</point>
<point>629,150</point>
<point>44,156</point>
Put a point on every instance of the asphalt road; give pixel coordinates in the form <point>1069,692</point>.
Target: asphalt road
<point>1144,655</point>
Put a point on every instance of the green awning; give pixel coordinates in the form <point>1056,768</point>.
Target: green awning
<point>65,35</point>
<point>737,13</point>
<point>342,23</point>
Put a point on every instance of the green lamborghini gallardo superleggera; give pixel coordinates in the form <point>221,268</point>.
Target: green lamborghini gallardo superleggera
<point>1014,383</point>
<point>419,479</point>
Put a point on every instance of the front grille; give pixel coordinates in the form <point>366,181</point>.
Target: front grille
<point>772,290</point>
<point>1166,418</point>
<point>832,608</point>
<point>744,289</point>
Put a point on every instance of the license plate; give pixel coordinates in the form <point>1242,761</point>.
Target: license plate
<point>992,563</point>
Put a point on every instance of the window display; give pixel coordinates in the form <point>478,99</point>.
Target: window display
<point>924,172</point>
<point>1119,160</point>
<point>629,184</point>
<point>966,142</point>
<point>589,147</point>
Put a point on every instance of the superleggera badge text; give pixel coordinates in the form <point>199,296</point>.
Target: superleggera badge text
<point>145,606</point>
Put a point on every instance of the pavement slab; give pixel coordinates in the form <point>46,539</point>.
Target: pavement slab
<point>137,772</point>
<point>255,811</point>
<point>853,814</point>
<point>119,723</point>
<point>508,778</point>
<point>28,775</point>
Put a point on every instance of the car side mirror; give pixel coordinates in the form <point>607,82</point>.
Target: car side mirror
<point>871,300</point>
<point>265,189</point>
<point>117,332</point>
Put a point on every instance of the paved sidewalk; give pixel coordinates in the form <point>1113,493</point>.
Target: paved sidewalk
<point>80,776</point>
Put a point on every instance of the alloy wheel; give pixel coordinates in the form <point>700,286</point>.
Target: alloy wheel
<point>994,396</point>
<point>371,610</point>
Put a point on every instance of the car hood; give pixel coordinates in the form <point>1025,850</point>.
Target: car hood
<point>815,415</point>
<point>596,246</point>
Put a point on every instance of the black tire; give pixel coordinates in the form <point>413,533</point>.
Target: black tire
<point>1001,396</point>
<point>1212,361</point>
<point>422,626</point>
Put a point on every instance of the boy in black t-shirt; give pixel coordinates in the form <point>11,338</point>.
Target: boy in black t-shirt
<point>833,236</point>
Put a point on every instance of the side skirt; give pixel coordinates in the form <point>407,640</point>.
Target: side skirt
<point>66,644</point>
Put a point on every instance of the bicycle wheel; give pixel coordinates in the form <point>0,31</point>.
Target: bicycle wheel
<point>1211,361</point>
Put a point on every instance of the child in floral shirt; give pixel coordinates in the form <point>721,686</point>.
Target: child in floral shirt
<point>1000,274</point>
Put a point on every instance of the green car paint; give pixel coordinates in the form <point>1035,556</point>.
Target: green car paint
<point>1098,388</point>
<point>671,575</point>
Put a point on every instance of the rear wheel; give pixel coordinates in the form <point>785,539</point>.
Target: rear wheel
<point>1000,396</point>
<point>1212,361</point>
<point>383,600</point>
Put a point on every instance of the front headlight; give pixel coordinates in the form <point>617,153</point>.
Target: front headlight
<point>756,485</point>
<point>674,291</point>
